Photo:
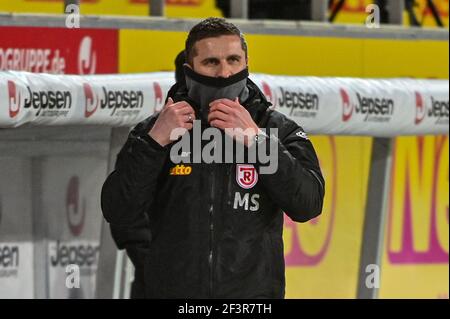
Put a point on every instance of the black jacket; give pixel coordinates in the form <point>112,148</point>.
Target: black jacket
<point>202,235</point>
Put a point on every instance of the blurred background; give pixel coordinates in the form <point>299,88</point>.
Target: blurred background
<point>51,176</point>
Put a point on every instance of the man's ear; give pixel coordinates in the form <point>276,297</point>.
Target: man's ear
<point>188,65</point>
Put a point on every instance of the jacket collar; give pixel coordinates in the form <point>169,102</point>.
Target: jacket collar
<point>256,104</point>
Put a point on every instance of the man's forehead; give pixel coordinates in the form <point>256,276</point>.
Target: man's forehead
<point>225,44</point>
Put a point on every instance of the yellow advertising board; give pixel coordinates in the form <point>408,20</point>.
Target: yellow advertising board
<point>353,11</point>
<point>150,51</point>
<point>415,260</point>
<point>356,11</point>
<point>174,8</point>
<point>323,255</point>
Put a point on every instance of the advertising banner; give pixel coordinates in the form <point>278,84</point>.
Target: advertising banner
<point>322,255</point>
<point>324,56</point>
<point>58,50</point>
<point>119,100</point>
<point>16,229</point>
<point>16,270</point>
<point>174,8</point>
<point>415,255</point>
<point>355,11</point>
<point>71,191</point>
<point>331,106</point>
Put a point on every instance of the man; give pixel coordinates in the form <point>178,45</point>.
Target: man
<point>216,228</point>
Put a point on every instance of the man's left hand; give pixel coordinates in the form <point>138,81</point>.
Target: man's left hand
<point>227,114</point>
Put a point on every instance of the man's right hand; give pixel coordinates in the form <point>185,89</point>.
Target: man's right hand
<point>172,116</point>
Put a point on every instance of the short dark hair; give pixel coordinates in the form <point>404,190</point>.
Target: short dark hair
<point>211,28</point>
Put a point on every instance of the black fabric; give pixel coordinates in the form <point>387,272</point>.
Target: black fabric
<point>174,259</point>
<point>216,81</point>
<point>204,94</point>
<point>180,60</point>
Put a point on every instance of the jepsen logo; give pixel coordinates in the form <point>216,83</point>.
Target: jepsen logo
<point>439,110</point>
<point>74,252</point>
<point>246,176</point>
<point>75,213</point>
<point>420,109</point>
<point>120,102</point>
<point>347,108</point>
<point>91,100</point>
<point>301,103</point>
<point>269,93</point>
<point>51,103</point>
<point>14,99</point>
<point>372,109</point>
<point>87,58</point>
<point>432,108</point>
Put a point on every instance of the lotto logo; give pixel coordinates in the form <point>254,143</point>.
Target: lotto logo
<point>181,170</point>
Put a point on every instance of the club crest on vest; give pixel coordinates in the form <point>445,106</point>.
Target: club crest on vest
<point>246,176</point>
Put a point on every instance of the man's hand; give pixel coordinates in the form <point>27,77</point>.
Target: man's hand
<point>172,116</point>
<point>224,113</point>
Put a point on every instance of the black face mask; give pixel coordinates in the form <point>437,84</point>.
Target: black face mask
<point>205,89</point>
